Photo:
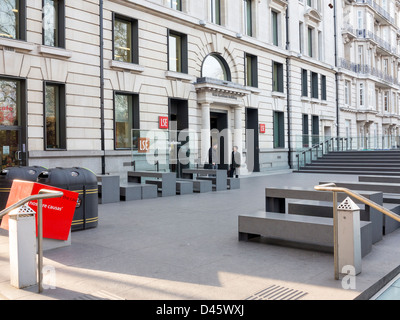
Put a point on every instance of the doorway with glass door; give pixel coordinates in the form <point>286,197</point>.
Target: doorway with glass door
<point>12,143</point>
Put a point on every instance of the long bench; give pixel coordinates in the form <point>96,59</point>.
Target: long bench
<point>137,191</point>
<point>200,186</point>
<point>391,195</point>
<point>276,200</point>
<point>168,180</point>
<point>218,177</point>
<point>309,232</point>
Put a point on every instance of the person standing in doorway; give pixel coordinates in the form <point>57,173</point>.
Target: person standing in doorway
<point>213,156</point>
<point>235,163</point>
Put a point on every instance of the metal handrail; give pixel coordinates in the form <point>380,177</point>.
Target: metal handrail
<point>43,194</point>
<point>332,187</point>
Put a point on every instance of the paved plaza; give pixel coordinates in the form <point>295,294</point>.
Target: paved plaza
<point>186,248</point>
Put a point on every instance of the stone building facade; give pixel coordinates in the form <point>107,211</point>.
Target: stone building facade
<point>77,76</point>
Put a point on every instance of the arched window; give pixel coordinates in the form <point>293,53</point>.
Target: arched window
<point>215,67</point>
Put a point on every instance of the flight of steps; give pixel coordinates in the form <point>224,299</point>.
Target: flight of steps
<point>379,162</point>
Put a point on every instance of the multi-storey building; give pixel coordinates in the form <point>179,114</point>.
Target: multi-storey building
<point>368,71</point>
<point>77,76</point>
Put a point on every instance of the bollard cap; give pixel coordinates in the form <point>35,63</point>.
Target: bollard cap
<point>348,205</point>
<point>22,211</point>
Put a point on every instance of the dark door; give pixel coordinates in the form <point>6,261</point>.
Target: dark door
<point>253,151</point>
<point>178,122</point>
<point>219,122</point>
<point>12,131</point>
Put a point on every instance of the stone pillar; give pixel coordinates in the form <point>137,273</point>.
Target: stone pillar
<point>205,132</point>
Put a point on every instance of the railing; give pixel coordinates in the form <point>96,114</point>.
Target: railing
<point>332,187</point>
<point>43,194</point>
<point>310,147</point>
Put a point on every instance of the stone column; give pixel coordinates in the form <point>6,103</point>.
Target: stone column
<point>238,130</point>
<point>205,132</point>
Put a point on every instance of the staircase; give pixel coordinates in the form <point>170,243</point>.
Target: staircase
<point>378,162</point>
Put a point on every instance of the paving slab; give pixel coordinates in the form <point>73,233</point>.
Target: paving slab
<point>187,248</point>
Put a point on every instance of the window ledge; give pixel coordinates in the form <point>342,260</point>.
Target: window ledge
<point>278,94</point>
<point>16,44</point>
<point>305,98</point>
<point>126,65</point>
<point>254,90</point>
<point>55,51</point>
<point>179,76</point>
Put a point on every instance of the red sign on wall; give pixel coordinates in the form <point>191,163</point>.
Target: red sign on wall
<point>262,128</point>
<point>57,212</point>
<point>163,122</point>
<point>144,145</point>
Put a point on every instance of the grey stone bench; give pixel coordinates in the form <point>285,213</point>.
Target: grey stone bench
<point>376,178</point>
<point>137,191</point>
<point>108,188</point>
<point>233,183</point>
<point>200,186</point>
<point>168,180</point>
<point>184,187</point>
<point>275,201</point>
<point>218,177</point>
<point>324,209</point>
<point>308,232</point>
<point>391,194</point>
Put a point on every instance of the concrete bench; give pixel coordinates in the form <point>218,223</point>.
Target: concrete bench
<point>300,231</point>
<point>168,180</point>
<point>275,201</point>
<point>377,178</point>
<point>108,188</point>
<point>137,191</point>
<point>233,183</point>
<point>218,177</point>
<point>184,187</point>
<point>325,209</point>
<point>391,194</point>
<point>202,186</point>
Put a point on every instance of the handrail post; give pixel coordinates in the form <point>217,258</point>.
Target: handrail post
<point>335,236</point>
<point>40,246</point>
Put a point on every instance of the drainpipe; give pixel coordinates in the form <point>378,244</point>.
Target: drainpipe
<point>103,156</point>
<point>336,65</point>
<point>287,89</point>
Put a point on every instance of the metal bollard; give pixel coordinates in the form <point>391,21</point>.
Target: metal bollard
<point>22,243</point>
<point>349,238</point>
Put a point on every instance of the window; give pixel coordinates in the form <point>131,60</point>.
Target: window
<point>12,19</point>
<point>126,118</point>
<point>305,131</point>
<point>54,112</point>
<point>304,83</point>
<point>125,36</point>
<point>175,4</point>
<point>251,70</point>
<point>10,102</point>
<point>177,52</point>
<point>361,94</point>
<point>277,76</point>
<point>53,23</point>
<point>274,28</point>
<point>215,11</point>
<point>347,92</point>
<point>215,67</point>
<point>310,41</point>
<point>301,37</point>
<point>314,85</point>
<point>386,101</point>
<point>323,87</point>
<point>279,130</point>
<point>248,30</point>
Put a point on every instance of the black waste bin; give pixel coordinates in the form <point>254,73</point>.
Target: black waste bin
<point>7,175</point>
<point>82,181</point>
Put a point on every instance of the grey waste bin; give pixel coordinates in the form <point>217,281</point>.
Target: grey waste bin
<point>7,175</point>
<point>82,181</point>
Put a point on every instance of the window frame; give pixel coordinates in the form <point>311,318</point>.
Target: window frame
<point>275,28</point>
<point>215,12</point>
<point>60,25</point>
<point>323,87</point>
<point>251,71</point>
<point>278,129</point>
<point>314,85</point>
<point>248,17</point>
<point>304,82</point>
<point>277,77</point>
<point>184,67</point>
<point>62,121</point>
<point>134,37</point>
<point>135,124</point>
<point>20,33</point>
